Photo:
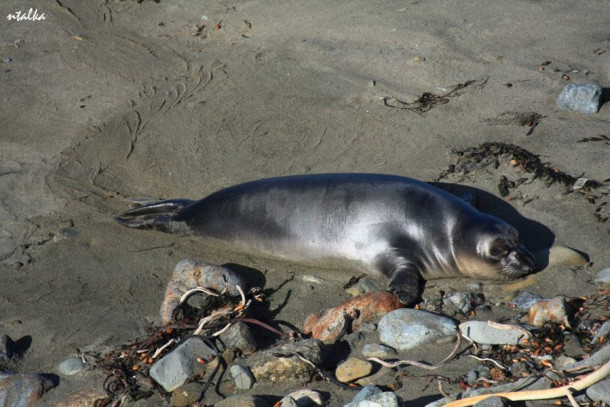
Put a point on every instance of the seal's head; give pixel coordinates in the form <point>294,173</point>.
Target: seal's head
<point>499,252</point>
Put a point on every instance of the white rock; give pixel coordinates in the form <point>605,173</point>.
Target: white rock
<point>502,334</point>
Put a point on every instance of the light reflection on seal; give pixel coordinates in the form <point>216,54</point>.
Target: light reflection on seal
<point>392,226</point>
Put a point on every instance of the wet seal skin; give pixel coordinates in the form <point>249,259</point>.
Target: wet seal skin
<point>396,227</point>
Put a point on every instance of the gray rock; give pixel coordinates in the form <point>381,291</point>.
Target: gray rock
<point>471,376</point>
<point>375,350</point>
<point>603,332</point>
<point>386,399</point>
<point>266,366</point>
<point>22,389</point>
<point>493,401</point>
<point>482,332</point>
<point>581,98</point>
<point>462,301</point>
<point>71,366</point>
<point>405,328</point>
<point>366,393</point>
<point>525,300</point>
<point>600,391</point>
<point>239,336</point>
<point>242,376</point>
<point>603,277</point>
<point>175,368</point>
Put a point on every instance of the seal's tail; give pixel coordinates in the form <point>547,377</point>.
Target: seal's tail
<point>158,215</point>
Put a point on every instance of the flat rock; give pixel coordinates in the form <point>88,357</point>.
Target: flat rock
<point>186,395</point>
<point>564,256</point>
<point>267,367</point>
<point>175,368</point>
<point>600,391</point>
<point>375,350</point>
<point>22,389</point>
<point>86,396</point>
<point>483,332</point>
<point>404,329</point>
<point>353,369</point>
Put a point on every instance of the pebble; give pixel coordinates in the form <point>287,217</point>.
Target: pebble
<point>366,393</point>
<point>303,398</point>
<point>600,391</point>
<point>266,367</point>
<point>186,395</point>
<point>353,369</point>
<point>22,389</point>
<point>242,401</point>
<point>404,329</point>
<point>553,310</point>
<point>483,333</point>
<point>471,376</point>
<point>493,401</point>
<point>71,366</point>
<point>239,336</point>
<point>175,368</point>
<point>86,396</point>
<point>242,376</point>
<point>603,277</point>
<point>462,301</point>
<point>189,274</point>
<point>525,300</point>
<point>330,324</point>
<point>581,98</point>
<point>375,350</point>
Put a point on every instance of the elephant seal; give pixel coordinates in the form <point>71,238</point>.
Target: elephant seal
<point>396,227</point>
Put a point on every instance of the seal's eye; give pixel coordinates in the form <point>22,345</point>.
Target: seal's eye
<point>499,249</point>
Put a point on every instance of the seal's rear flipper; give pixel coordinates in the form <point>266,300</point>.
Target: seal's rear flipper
<point>158,215</point>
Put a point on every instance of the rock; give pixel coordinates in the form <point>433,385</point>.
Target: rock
<point>471,376</point>
<point>493,401</point>
<point>189,274</point>
<point>242,401</point>
<point>86,396</point>
<point>603,332</point>
<point>483,333</point>
<point>242,376</point>
<point>553,310</point>
<point>304,398</point>
<point>329,325</point>
<point>71,366</point>
<point>266,367</point>
<point>366,393</point>
<point>353,369</point>
<point>564,256</point>
<point>600,391</point>
<point>186,395</point>
<point>175,368</point>
<point>239,336</point>
<point>227,356</point>
<point>603,277</point>
<point>404,329</point>
<point>385,399</point>
<point>375,350</point>
<point>525,300</point>
<point>462,301</point>
<point>581,98</point>
<point>22,389</point>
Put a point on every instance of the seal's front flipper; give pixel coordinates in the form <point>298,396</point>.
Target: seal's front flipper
<point>159,215</point>
<point>406,283</point>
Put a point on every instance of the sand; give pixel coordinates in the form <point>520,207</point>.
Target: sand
<point>103,101</point>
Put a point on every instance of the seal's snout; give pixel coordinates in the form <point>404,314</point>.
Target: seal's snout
<point>521,262</point>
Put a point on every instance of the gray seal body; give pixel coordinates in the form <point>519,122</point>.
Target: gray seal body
<point>396,227</point>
